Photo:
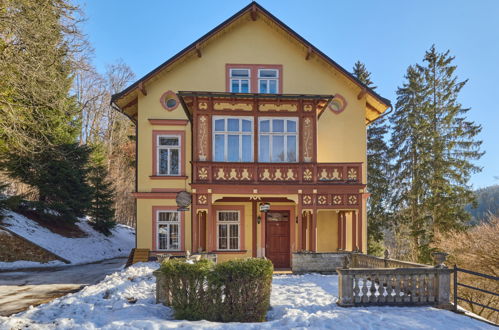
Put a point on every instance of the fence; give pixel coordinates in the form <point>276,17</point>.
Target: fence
<point>384,281</point>
<point>457,284</point>
<point>394,286</point>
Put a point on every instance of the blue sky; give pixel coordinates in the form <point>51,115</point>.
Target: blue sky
<point>387,36</point>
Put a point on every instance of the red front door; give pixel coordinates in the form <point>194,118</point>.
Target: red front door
<point>277,238</point>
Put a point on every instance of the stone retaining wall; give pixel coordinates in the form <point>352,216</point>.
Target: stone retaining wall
<point>15,248</point>
<point>326,262</point>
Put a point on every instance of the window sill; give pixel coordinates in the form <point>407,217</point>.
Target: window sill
<point>168,177</point>
<point>230,251</point>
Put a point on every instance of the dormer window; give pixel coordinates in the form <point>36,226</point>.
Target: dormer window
<point>240,80</point>
<point>268,80</point>
<point>254,78</point>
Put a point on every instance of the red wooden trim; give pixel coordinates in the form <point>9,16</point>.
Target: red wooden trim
<point>359,227</point>
<point>239,208</point>
<point>254,228</point>
<point>344,231</point>
<point>155,134</point>
<point>154,195</point>
<point>169,122</point>
<point>314,231</point>
<point>253,74</point>
<point>168,177</point>
<point>155,210</point>
<point>230,252</point>
<point>354,230</point>
<point>304,231</point>
<point>310,231</point>
<point>202,231</point>
<point>339,230</point>
<point>167,190</point>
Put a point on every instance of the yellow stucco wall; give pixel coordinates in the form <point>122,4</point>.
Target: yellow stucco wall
<point>341,137</point>
<point>145,222</point>
<point>327,231</point>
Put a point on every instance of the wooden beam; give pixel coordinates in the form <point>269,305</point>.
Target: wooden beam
<point>198,50</point>
<point>362,93</point>
<point>253,12</point>
<point>131,103</point>
<point>142,88</point>
<point>309,53</point>
<point>370,107</point>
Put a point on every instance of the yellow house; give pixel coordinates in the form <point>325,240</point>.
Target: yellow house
<point>265,134</point>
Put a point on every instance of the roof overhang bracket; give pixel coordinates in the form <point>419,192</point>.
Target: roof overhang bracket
<point>361,94</point>
<point>254,12</point>
<point>198,49</point>
<point>142,88</point>
<point>309,53</point>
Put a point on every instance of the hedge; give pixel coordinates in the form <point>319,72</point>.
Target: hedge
<point>232,291</point>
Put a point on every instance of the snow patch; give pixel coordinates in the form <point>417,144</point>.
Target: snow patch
<point>94,247</point>
<point>298,301</point>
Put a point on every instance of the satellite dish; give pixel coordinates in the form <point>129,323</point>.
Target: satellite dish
<point>183,200</point>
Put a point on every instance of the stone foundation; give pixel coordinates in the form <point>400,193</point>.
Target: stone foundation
<point>325,262</point>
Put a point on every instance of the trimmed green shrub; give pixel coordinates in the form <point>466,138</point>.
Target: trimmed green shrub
<point>232,291</point>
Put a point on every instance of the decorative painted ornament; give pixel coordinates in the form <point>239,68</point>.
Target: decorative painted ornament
<point>338,104</point>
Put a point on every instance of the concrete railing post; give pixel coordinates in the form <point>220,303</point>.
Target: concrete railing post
<point>443,288</point>
<point>345,288</point>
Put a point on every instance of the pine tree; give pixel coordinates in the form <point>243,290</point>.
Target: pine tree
<point>434,146</point>
<point>377,171</point>
<point>59,173</point>
<point>101,211</point>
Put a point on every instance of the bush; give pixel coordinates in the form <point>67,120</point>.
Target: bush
<point>233,291</point>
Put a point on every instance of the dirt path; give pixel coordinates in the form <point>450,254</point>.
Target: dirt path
<point>21,289</point>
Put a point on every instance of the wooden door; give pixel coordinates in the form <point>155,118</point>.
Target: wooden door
<point>277,246</point>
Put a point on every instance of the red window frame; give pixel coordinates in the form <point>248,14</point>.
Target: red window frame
<point>253,74</point>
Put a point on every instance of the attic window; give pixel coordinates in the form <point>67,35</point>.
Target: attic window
<point>169,100</point>
<point>254,78</point>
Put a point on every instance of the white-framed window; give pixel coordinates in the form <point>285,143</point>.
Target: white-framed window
<point>232,139</point>
<point>240,80</point>
<point>168,154</point>
<point>268,81</point>
<point>228,230</point>
<point>278,139</point>
<point>168,223</point>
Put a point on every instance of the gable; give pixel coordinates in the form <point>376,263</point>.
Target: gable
<point>253,36</point>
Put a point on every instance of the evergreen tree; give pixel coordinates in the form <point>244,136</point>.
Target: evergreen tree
<point>377,172</point>
<point>38,41</point>
<point>101,210</point>
<point>433,145</point>
<point>59,173</point>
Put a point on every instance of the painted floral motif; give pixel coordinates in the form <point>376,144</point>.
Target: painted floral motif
<point>220,174</point>
<point>203,173</point>
<point>307,175</point>
<point>322,199</point>
<point>307,199</point>
<point>337,200</point>
<point>307,140</point>
<point>202,199</point>
<point>326,175</point>
<point>203,138</point>
<point>352,174</point>
<point>352,200</point>
<point>203,106</point>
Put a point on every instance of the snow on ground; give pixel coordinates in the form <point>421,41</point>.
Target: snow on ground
<point>298,301</point>
<point>92,248</point>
